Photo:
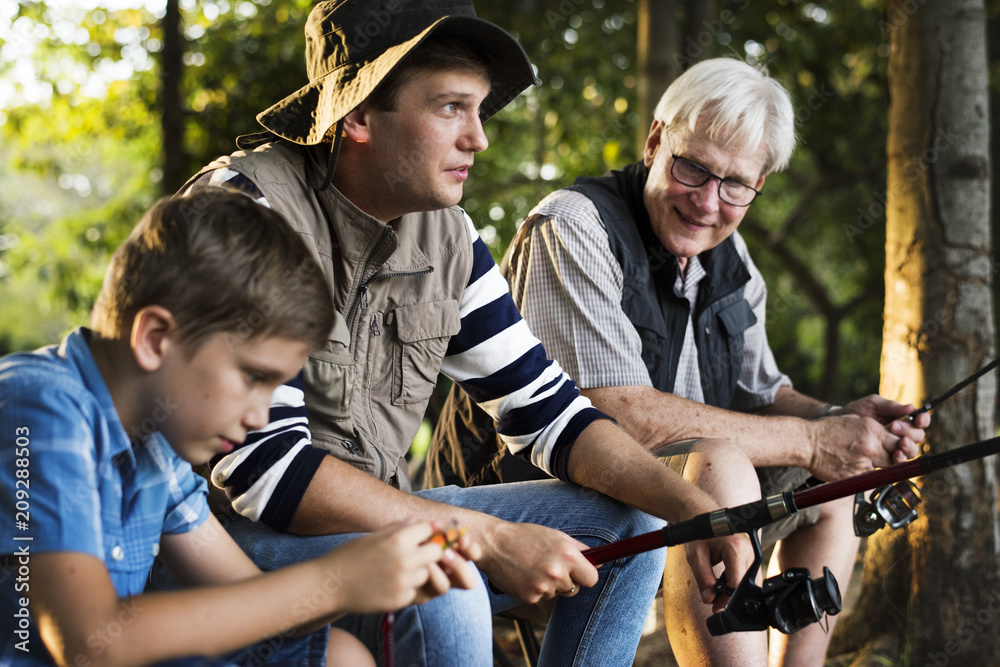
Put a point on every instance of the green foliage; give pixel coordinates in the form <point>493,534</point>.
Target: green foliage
<point>240,59</point>
<point>579,122</point>
<point>80,170</point>
<point>818,232</point>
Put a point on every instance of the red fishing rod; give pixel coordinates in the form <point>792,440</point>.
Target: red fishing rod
<point>792,599</point>
<point>814,492</point>
<point>755,515</point>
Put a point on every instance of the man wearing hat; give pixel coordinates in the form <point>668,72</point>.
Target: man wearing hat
<point>367,162</point>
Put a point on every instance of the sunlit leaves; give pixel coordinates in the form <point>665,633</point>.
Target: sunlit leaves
<point>79,167</point>
<point>579,122</point>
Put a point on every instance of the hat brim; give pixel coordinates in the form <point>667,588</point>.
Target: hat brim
<point>306,116</point>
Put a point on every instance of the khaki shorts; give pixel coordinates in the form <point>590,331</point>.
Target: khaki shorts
<point>773,480</point>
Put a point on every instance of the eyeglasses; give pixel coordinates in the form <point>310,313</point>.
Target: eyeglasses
<point>694,175</point>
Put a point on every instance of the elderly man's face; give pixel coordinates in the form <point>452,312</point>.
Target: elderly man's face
<point>690,220</point>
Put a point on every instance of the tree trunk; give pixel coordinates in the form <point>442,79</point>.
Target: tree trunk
<point>932,590</point>
<point>665,50</point>
<point>702,26</point>
<point>172,122</point>
<point>658,65</point>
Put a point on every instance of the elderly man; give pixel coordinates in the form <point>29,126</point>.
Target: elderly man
<point>368,163</point>
<point>639,285</point>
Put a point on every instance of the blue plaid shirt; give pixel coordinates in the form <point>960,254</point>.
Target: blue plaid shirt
<point>71,479</point>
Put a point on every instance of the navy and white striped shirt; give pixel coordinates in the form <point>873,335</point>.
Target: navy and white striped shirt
<point>494,357</point>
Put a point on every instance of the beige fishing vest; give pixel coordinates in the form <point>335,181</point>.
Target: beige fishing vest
<point>396,289</point>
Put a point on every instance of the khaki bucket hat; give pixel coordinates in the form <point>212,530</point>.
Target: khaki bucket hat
<point>352,45</point>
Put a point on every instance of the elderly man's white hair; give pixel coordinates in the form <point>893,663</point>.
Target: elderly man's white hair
<point>739,106</point>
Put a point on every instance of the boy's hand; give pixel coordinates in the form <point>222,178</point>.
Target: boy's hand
<point>397,567</point>
<point>451,569</point>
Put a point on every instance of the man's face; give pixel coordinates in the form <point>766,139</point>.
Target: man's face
<point>422,152</point>
<point>221,392</point>
<point>690,220</point>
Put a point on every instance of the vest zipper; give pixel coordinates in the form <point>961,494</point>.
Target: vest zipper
<point>383,276</point>
<point>361,301</point>
<point>384,239</point>
<point>382,467</point>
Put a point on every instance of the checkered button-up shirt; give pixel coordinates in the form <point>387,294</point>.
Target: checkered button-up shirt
<point>568,286</point>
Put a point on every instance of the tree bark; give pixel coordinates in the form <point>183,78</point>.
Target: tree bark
<point>701,30</point>
<point>933,589</point>
<point>172,122</point>
<point>658,57</point>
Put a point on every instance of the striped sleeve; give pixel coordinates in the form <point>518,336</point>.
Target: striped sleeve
<point>227,178</point>
<point>504,368</point>
<point>266,477</point>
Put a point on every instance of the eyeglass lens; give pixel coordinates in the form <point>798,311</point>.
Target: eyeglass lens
<point>694,175</point>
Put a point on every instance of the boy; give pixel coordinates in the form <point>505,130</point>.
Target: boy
<point>208,306</point>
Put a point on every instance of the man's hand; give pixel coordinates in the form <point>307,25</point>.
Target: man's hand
<point>734,551</point>
<point>531,562</point>
<point>863,435</point>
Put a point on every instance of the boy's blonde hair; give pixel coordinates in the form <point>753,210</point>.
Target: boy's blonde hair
<point>220,263</point>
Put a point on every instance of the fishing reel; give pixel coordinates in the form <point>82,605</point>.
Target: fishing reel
<point>787,602</point>
<point>893,505</point>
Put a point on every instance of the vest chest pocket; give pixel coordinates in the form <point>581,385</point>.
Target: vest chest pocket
<point>737,318</point>
<point>727,350</point>
<point>423,332</point>
<point>328,388</point>
<point>329,377</point>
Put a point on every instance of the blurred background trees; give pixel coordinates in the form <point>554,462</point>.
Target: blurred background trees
<point>104,129</point>
<point>104,108</point>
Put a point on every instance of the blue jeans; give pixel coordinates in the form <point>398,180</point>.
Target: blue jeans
<point>598,626</point>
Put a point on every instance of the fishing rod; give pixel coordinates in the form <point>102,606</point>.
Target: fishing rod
<point>933,403</point>
<point>791,600</point>
<point>863,509</point>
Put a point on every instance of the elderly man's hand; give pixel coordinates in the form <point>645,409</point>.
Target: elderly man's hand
<point>891,413</point>
<point>863,435</point>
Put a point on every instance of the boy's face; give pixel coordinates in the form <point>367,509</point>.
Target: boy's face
<point>423,151</point>
<point>223,391</point>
